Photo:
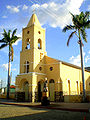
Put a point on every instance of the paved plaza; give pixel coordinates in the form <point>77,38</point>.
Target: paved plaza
<point>12,112</point>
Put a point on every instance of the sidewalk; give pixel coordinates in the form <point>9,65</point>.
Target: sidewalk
<point>75,107</point>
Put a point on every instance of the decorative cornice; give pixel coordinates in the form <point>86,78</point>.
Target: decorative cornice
<point>30,73</point>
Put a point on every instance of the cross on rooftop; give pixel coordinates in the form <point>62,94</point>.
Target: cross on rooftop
<point>33,11</point>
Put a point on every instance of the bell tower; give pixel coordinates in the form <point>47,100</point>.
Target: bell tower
<point>31,60</point>
<point>33,46</point>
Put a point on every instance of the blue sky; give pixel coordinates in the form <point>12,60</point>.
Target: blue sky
<point>53,16</point>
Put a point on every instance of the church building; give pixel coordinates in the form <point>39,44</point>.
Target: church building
<point>64,81</point>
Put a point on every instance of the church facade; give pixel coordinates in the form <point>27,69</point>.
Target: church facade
<point>63,79</point>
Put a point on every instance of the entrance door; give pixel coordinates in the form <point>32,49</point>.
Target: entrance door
<point>52,90</point>
<point>40,90</point>
<point>26,88</point>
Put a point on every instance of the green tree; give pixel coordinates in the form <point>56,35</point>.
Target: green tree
<point>80,23</point>
<point>7,40</point>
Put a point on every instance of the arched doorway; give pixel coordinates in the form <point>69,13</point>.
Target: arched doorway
<point>40,90</point>
<point>26,90</point>
<point>52,90</point>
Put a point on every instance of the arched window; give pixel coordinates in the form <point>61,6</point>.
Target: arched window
<point>81,87</point>
<point>26,67</point>
<point>40,68</point>
<point>28,44</point>
<point>28,32</point>
<point>39,32</point>
<point>51,81</point>
<point>51,68</point>
<point>52,90</point>
<point>69,87</point>
<point>77,87</point>
<point>39,44</point>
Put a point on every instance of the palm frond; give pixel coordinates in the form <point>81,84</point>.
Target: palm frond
<point>14,39</point>
<point>3,41</point>
<point>75,20</point>
<point>9,33</point>
<point>3,45</point>
<point>14,32</point>
<point>71,35</point>
<point>87,24</point>
<point>84,35</point>
<point>81,19</point>
<point>87,15</point>
<point>4,34</point>
<point>80,23</point>
<point>4,31</point>
<point>9,40</point>
<point>8,36</point>
<point>68,27</point>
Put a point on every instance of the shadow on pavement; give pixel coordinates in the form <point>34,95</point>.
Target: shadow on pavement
<point>43,114</point>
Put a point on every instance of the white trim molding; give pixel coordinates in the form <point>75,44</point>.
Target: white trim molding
<point>31,73</point>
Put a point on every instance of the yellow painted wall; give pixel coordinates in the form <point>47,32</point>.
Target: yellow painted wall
<point>73,74</point>
<point>55,73</point>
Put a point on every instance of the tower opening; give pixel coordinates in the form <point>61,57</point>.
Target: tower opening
<point>39,44</point>
<point>28,44</point>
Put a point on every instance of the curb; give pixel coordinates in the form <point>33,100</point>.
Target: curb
<point>48,107</point>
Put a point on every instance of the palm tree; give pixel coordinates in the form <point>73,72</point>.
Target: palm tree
<point>80,23</point>
<point>8,40</point>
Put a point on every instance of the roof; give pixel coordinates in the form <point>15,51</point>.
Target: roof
<point>33,20</point>
<point>69,64</point>
<point>87,69</point>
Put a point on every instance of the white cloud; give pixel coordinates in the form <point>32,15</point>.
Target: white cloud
<point>13,9</point>
<point>4,16</point>
<point>45,5</point>
<point>14,69</point>
<point>25,7</point>
<point>12,82</point>
<point>35,6</point>
<point>87,59</point>
<point>89,52</point>
<point>16,43</point>
<point>75,60</point>
<point>56,14</point>
<point>71,58</point>
<point>88,7</point>
<point>5,66</point>
<point>1,27</point>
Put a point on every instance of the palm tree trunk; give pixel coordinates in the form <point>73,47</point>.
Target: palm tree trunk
<point>82,68</point>
<point>8,83</point>
<point>82,65</point>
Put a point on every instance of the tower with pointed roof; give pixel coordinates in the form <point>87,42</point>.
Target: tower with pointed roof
<point>33,51</point>
<point>33,44</point>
